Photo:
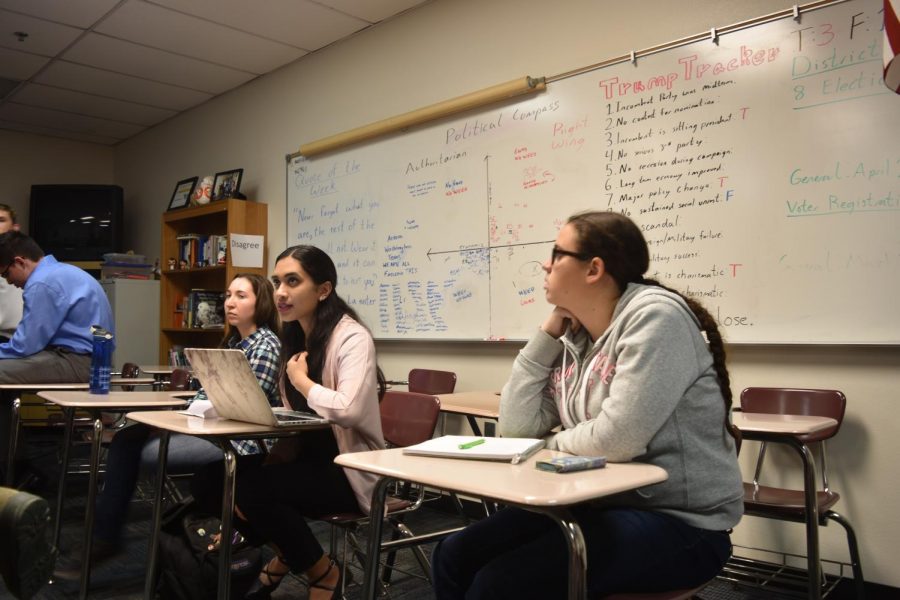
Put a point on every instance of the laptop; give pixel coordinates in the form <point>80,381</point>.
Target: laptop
<point>234,391</point>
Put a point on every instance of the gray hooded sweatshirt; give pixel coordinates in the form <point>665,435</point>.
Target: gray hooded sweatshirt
<point>645,391</point>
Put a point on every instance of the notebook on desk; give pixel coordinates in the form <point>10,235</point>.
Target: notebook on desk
<point>234,391</point>
<point>513,450</point>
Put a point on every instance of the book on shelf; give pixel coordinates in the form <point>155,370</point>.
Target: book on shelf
<point>205,309</point>
<point>177,357</point>
<point>200,250</point>
<point>178,311</point>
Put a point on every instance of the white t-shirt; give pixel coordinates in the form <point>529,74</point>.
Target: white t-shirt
<point>10,308</point>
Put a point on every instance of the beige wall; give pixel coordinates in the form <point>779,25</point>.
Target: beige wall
<point>450,47</point>
<point>27,159</point>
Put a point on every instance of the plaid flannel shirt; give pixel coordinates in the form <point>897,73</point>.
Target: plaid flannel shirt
<point>262,350</point>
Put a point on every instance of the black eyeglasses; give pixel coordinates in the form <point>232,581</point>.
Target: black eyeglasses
<point>557,252</point>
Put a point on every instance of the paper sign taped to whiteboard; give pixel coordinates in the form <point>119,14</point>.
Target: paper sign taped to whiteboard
<point>247,250</point>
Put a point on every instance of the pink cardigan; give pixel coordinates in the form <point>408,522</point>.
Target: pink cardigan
<point>348,397</point>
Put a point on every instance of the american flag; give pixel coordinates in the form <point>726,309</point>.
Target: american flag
<point>892,44</point>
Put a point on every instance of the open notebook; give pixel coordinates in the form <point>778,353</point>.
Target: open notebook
<point>514,450</point>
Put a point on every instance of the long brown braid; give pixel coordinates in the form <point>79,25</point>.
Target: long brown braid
<point>615,238</point>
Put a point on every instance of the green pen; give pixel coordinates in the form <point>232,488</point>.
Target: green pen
<point>471,444</point>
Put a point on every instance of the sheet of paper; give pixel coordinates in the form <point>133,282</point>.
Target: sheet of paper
<point>200,408</point>
<point>246,250</point>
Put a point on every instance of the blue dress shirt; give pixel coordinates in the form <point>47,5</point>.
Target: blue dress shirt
<point>61,304</point>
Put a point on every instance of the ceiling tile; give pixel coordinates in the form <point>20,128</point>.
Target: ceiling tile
<point>123,87</point>
<point>19,65</point>
<point>44,38</point>
<point>69,135</point>
<point>91,105</point>
<point>63,121</point>
<point>300,23</point>
<point>156,65</point>
<point>372,11</point>
<point>80,13</point>
<point>159,27</point>
<point>103,70</point>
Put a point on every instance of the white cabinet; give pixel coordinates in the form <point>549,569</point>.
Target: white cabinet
<point>135,305</point>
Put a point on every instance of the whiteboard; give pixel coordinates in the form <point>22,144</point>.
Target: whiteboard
<point>764,172</point>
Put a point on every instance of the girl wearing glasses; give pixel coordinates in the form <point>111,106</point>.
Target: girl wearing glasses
<point>633,371</point>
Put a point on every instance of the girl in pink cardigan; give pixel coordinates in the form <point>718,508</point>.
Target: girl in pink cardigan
<point>329,367</point>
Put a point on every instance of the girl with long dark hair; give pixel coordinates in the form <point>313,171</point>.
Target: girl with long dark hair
<point>328,367</point>
<point>633,371</point>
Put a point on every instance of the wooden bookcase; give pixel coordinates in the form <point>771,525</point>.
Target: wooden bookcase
<point>216,218</point>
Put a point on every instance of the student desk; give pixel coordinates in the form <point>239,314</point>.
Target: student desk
<point>160,373</point>
<point>519,485</point>
<point>17,389</point>
<point>783,429</point>
<point>220,432</point>
<point>70,401</point>
<point>472,404</point>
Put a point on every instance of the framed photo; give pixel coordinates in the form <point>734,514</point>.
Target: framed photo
<point>181,197</point>
<point>227,184</point>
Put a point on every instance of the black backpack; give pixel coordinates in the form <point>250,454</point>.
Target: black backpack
<point>188,570</point>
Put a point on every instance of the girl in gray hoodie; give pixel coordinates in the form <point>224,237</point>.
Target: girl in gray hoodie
<point>628,369</point>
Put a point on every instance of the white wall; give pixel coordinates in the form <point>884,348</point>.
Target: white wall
<point>448,48</point>
<point>27,159</point>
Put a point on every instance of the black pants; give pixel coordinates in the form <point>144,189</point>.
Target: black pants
<point>275,499</point>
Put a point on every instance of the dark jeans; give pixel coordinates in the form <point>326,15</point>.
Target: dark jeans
<point>519,554</point>
<point>133,449</point>
<point>275,499</point>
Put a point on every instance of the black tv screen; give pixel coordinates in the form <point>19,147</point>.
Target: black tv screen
<point>76,222</point>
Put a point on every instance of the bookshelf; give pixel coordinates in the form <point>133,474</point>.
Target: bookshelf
<point>216,218</point>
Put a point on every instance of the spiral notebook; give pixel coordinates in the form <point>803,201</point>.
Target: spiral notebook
<point>514,450</point>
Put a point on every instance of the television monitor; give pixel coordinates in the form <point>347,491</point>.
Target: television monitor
<point>76,222</point>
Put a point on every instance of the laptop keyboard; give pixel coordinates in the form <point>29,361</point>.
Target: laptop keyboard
<point>289,417</point>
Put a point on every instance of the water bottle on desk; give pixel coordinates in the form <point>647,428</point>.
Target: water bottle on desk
<point>101,360</point>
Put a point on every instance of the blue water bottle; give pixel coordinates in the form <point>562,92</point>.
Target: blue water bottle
<point>101,359</point>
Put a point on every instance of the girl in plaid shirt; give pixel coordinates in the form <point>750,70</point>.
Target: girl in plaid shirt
<point>253,326</point>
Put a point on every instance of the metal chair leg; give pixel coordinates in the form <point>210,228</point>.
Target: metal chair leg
<point>859,582</point>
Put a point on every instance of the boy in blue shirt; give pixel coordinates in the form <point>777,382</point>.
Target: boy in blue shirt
<point>52,343</point>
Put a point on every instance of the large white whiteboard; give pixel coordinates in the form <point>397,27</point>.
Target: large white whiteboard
<point>765,172</point>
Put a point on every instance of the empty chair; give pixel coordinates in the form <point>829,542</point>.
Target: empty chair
<point>180,381</point>
<point>430,381</point>
<point>791,505</point>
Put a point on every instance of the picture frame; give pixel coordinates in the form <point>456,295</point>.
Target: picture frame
<point>184,189</point>
<point>227,184</point>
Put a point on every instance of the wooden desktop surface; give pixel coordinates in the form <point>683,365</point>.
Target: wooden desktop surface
<point>160,369</point>
<point>521,484</point>
<point>479,404</point>
<point>181,423</point>
<point>115,398</point>
<point>36,387</point>
<point>780,424</point>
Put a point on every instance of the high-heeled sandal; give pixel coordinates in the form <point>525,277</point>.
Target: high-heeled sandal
<point>336,590</point>
<point>263,591</point>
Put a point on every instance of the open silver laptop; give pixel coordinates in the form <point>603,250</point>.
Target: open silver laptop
<point>234,391</point>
